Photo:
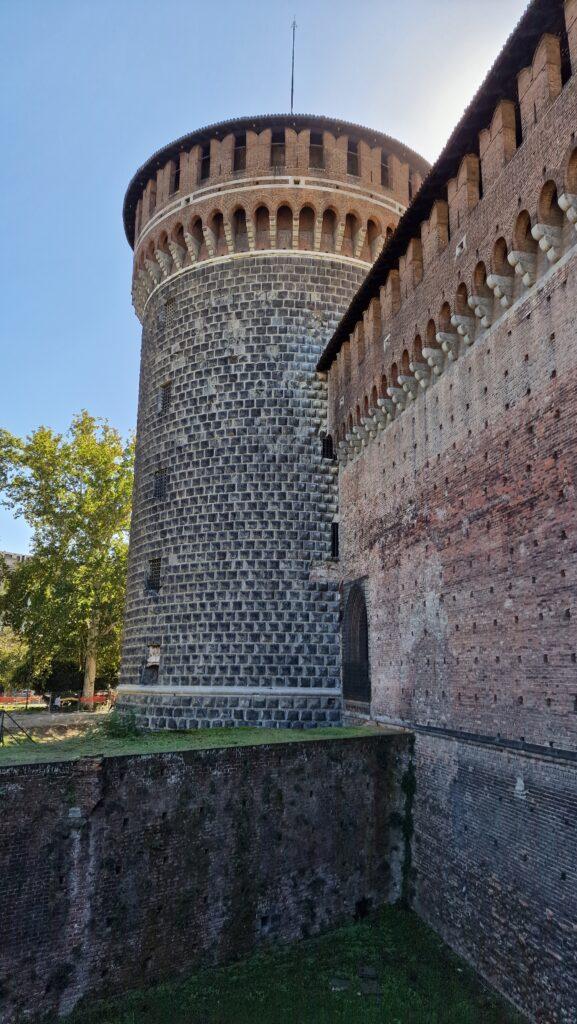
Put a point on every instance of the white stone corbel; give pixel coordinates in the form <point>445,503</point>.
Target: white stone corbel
<point>422,373</point>
<point>228,235</point>
<point>435,359</point>
<point>399,397</point>
<point>354,441</point>
<point>380,418</point>
<point>359,242</point>
<point>465,327</point>
<point>144,281</point>
<point>525,264</point>
<point>369,424</point>
<point>409,385</point>
<point>550,240</point>
<point>210,240</point>
<point>339,235</point>
<point>154,270</point>
<point>178,254</point>
<point>193,246</point>
<point>388,407</point>
<point>250,232</point>
<point>449,342</point>
<point>502,288</point>
<point>568,204</point>
<point>482,307</point>
<point>318,232</point>
<point>164,262</point>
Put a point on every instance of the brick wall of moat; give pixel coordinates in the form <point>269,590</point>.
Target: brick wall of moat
<point>118,872</point>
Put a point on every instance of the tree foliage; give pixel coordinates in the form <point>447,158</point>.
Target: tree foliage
<point>74,491</point>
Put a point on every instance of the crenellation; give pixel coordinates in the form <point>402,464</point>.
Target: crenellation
<point>540,83</point>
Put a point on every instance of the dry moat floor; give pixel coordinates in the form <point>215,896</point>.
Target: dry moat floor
<point>389,969</point>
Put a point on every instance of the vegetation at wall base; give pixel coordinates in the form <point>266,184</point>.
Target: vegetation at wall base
<point>387,969</point>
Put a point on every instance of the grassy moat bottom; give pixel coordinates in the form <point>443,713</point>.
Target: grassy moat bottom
<point>387,969</point>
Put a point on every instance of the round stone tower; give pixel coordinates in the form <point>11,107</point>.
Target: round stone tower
<point>250,239</point>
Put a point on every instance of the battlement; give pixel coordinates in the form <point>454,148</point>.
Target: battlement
<point>473,244</point>
<point>266,184</point>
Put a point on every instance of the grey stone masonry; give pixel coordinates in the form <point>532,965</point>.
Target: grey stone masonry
<point>241,519</point>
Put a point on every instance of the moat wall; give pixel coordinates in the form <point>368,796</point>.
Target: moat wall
<point>119,872</point>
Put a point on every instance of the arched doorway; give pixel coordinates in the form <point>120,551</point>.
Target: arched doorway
<point>356,679</point>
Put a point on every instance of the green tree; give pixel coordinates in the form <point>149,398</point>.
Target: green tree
<point>74,491</point>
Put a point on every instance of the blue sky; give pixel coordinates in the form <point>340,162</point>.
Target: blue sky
<point>90,88</point>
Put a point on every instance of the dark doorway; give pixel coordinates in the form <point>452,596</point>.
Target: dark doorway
<point>356,680</point>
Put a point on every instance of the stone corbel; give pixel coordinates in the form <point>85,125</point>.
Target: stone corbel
<point>502,288</point>
<point>465,327</point>
<point>482,307</point>
<point>422,373</point>
<point>568,204</point>
<point>525,265</point>
<point>398,396</point>
<point>354,441</point>
<point>435,359</point>
<point>144,281</point>
<point>178,254</point>
<point>210,240</point>
<point>164,261</point>
<point>380,418</point>
<point>193,246</point>
<point>409,385</point>
<point>362,434</point>
<point>154,270</point>
<point>388,407</point>
<point>359,242</point>
<point>449,342</point>
<point>370,426</point>
<point>550,240</point>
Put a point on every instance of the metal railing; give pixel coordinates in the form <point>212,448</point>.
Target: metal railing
<point>14,733</point>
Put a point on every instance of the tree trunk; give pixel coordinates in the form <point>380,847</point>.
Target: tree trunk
<point>90,666</point>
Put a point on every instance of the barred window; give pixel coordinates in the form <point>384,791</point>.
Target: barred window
<point>316,150</point>
<point>239,159</point>
<point>277,149</point>
<point>334,540</point>
<point>353,158</point>
<point>160,478</point>
<point>169,312</point>
<point>164,397</point>
<point>153,577</point>
<point>205,162</point>
<point>174,177</point>
<point>385,176</point>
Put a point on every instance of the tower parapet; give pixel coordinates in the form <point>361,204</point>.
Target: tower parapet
<point>250,238</point>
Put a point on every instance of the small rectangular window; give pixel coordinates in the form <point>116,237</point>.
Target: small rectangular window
<point>169,312</point>
<point>153,577</point>
<point>239,157</point>
<point>205,162</point>
<point>316,150</point>
<point>353,158</point>
<point>385,176</point>
<point>334,540</point>
<point>164,397</point>
<point>174,185</point>
<point>327,447</point>
<point>160,479</point>
<point>277,149</point>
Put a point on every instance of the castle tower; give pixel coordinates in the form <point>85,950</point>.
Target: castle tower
<point>250,239</point>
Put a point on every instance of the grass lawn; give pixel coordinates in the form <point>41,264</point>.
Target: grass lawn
<point>389,969</point>
<point>96,742</point>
